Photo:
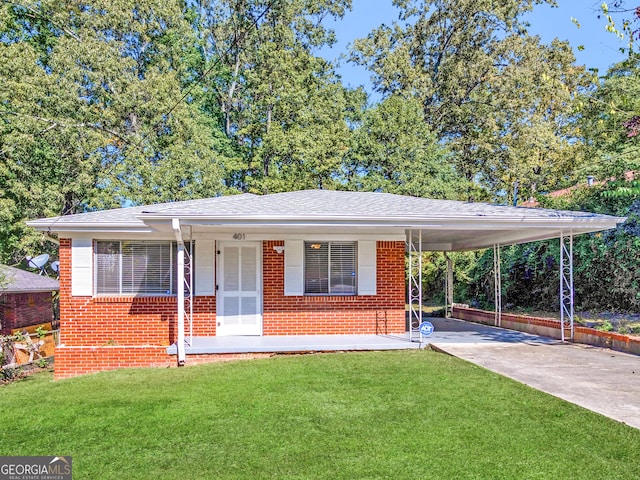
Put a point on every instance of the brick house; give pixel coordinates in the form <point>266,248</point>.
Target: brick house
<point>138,284</point>
<point>25,299</point>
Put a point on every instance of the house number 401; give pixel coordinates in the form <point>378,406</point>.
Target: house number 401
<point>238,236</point>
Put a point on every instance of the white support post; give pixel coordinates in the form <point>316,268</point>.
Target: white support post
<point>497,283</point>
<point>449,286</point>
<point>566,286</point>
<point>188,282</point>
<point>414,246</point>
<point>180,291</point>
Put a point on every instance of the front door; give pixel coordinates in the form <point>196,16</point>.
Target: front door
<point>239,309</point>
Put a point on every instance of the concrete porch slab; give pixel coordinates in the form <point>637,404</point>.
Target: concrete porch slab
<point>446,331</point>
<point>295,343</point>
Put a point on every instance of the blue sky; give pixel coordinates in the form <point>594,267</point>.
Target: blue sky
<point>601,48</point>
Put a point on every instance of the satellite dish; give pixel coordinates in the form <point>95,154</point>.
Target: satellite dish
<point>55,266</point>
<point>38,262</point>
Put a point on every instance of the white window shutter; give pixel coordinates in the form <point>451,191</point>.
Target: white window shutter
<point>293,267</point>
<point>367,268</point>
<point>205,258</point>
<point>81,267</point>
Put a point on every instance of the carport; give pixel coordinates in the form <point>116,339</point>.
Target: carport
<point>489,226</point>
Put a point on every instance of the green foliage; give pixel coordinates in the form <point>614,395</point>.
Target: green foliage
<point>606,264</point>
<point>41,331</point>
<point>625,190</point>
<point>622,20</point>
<point>463,60</point>
<point>609,123</point>
<point>278,102</point>
<point>434,271</point>
<point>606,326</point>
<point>41,363</point>
<point>529,275</point>
<point>394,151</point>
<point>92,113</point>
<point>9,374</point>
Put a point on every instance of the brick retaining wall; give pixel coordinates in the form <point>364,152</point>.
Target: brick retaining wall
<point>550,327</point>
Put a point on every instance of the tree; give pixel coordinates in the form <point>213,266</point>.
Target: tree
<point>394,151</point>
<point>611,124</point>
<point>281,105</point>
<point>629,15</point>
<point>499,98</point>
<point>92,112</point>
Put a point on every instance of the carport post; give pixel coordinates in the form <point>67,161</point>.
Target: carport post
<point>448,309</point>
<point>497,283</point>
<point>566,284</point>
<point>175,223</point>
<point>414,246</point>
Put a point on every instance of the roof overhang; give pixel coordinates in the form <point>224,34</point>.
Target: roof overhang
<point>444,225</point>
<point>439,233</point>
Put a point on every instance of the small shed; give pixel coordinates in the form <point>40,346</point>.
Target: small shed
<point>26,299</point>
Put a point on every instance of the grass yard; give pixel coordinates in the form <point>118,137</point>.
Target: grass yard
<point>399,415</point>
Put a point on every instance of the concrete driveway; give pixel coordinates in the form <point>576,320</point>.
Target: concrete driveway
<point>601,380</point>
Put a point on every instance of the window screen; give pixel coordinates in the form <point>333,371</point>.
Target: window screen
<point>146,267</point>
<point>135,267</point>
<point>330,268</point>
<point>107,263</point>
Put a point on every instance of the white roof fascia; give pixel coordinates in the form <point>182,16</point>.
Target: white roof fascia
<point>357,220</point>
<point>482,222</point>
<point>115,227</point>
<point>581,222</point>
<point>504,238</point>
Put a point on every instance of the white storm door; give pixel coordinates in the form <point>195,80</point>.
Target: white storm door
<point>239,309</point>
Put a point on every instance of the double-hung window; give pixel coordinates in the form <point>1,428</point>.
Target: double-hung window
<point>330,268</point>
<point>135,267</point>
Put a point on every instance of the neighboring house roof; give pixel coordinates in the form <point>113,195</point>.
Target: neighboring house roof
<point>629,176</point>
<point>21,281</point>
<point>449,225</point>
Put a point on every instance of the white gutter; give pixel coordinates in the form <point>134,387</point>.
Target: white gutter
<point>51,239</point>
<point>486,221</point>
<point>175,224</point>
<point>462,222</point>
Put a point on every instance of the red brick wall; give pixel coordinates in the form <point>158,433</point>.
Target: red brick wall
<point>18,310</point>
<point>74,361</point>
<point>96,333</point>
<point>104,333</point>
<point>130,320</point>
<point>307,315</point>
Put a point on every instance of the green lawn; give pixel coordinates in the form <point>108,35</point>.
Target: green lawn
<point>407,414</point>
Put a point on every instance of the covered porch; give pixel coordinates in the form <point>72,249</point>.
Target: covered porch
<point>421,224</point>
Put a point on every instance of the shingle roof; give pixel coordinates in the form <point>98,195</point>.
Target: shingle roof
<point>349,204</point>
<point>448,225</point>
<point>311,204</point>
<point>21,281</point>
